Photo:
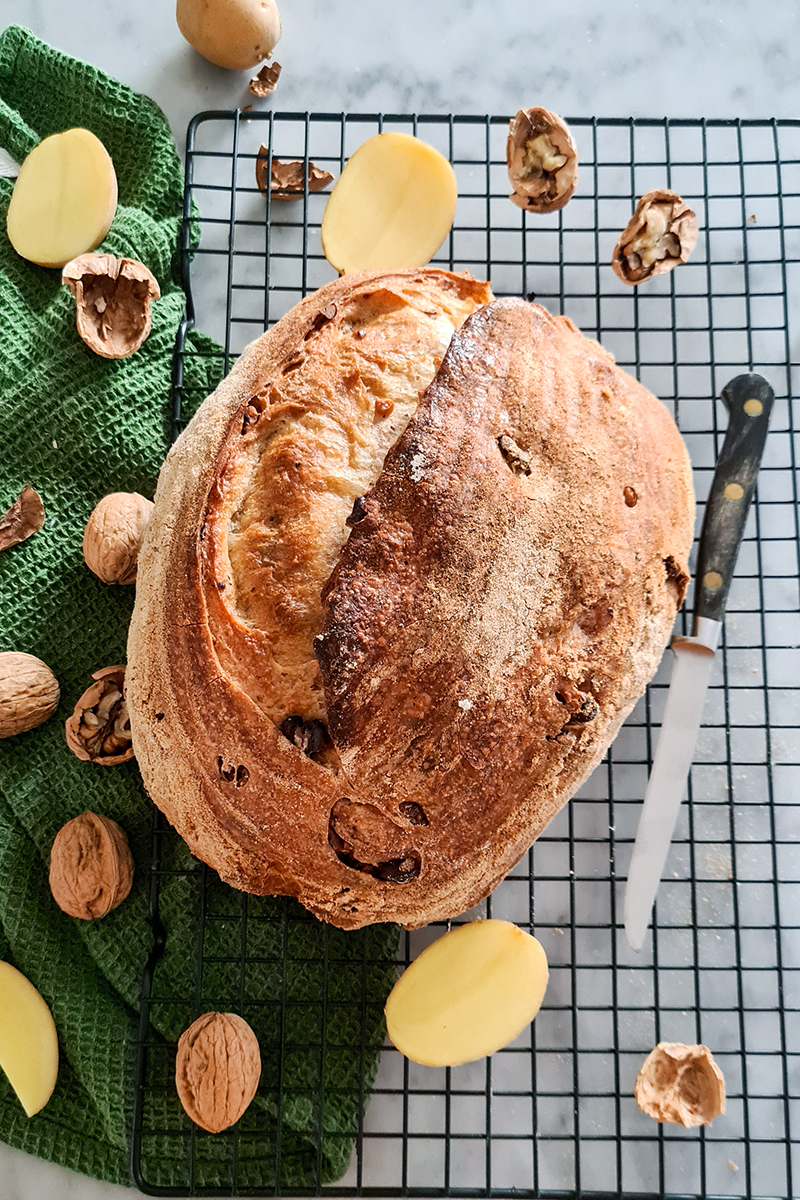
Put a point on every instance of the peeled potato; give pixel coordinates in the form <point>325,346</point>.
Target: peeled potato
<point>392,206</point>
<point>467,995</point>
<point>64,199</point>
<point>235,34</point>
<point>28,1042</point>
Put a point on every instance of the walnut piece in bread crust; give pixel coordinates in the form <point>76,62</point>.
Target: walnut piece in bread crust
<point>454,613</point>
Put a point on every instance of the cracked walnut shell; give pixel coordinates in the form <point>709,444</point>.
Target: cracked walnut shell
<point>265,81</point>
<point>680,1084</point>
<point>661,233</point>
<point>542,161</point>
<point>113,302</point>
<point>29,692</point>
<point>113,536</point>
<point>24,518</point>
<point>91,866</point>
<point>217,1069</point>
<point>99,729</point>
<point>286,180</point>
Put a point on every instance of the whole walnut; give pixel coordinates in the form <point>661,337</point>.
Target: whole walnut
<point>113,536</point>
<point>29,692</point>
<point>91,866</point>
<point>217,1070</point>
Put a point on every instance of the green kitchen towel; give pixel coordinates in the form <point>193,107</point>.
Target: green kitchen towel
<point>78,427</point>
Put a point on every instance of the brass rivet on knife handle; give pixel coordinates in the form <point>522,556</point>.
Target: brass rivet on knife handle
<point>749,400</point>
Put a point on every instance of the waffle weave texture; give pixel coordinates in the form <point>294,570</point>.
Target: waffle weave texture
<point>78,427</point>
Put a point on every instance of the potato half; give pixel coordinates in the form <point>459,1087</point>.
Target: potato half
<point>468,994</point>
<point>64,199</point>
<point>391,207</point>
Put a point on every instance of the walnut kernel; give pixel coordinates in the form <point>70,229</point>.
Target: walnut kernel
<point>217,1069</point>
<point>681,1084</point>
<point>99,729</point>
<point>91,866</point>
<point>661,233</point>
<point>113,536</point>
<point>29,692</point>
<point>542,161</point>
<point>113,302</point>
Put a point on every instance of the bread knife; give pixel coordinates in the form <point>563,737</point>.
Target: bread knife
<point>748,399</point>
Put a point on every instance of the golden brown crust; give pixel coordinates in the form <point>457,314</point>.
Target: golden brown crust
<point>508,588</point>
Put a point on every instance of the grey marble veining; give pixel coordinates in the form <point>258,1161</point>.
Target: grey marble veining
<point>693,58</point>
<point>688,58</point>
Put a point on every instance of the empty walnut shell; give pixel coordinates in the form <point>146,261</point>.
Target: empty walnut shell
<point>681,1084</point>
<point>287,179</point>
<point>99,729</point>
<point>113,302</point>
<point>217,1069</point>
<point>542,161</point>
<point>91,866</point>
<point>661,233</point>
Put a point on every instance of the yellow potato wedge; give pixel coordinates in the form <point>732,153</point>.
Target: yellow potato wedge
<point>467,995</point>
<point>391,207</point>
<point>28,1041</point>
<point>64,199</point>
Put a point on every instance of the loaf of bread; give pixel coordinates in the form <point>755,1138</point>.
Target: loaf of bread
<point>400,588</point>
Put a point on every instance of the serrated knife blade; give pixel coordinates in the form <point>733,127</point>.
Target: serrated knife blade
<point>749,400</point>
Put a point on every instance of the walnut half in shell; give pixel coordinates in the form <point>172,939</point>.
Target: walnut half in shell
<point>681,1084</point>
<point>99,729</point>
<point>542,161</point>
<point>661,233</point>
<point>113,302</point>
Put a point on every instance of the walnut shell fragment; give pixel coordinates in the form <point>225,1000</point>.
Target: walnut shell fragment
<point>542,161</point>
<point>217,1069</point>
<point>287,179</point>
<point>661,233</point>
<point>24,518</point>
<point>91,866</point>
<point>99,729</point>
<point>113,536</point>
<point>265,82</point>
<point>29,692</point>
<point>680,1084</point>
<point>113,302</point>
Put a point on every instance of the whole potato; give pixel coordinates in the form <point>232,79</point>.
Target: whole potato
<point>235,34</point>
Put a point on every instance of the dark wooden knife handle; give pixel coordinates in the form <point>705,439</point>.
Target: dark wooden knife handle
<point>749,400</point>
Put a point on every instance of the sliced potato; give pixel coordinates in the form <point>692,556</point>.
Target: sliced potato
<point>467,995</point>
<point>28,1041</point>
<point>392,206</point>
<point>64,199</point>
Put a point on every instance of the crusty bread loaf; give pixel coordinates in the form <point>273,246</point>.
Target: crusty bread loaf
<point>380,726</point>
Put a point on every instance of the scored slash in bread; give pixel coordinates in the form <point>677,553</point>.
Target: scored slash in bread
<point>380,726</point>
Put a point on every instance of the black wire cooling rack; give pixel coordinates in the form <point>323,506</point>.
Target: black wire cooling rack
<point>554,1115</point>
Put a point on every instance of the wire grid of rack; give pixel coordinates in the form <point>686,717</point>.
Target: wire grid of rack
<point>554,1113</point>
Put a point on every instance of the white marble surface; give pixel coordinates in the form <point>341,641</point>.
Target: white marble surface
<point>687,58</point>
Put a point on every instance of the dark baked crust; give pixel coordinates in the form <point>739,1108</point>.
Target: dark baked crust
<point>507,590</point>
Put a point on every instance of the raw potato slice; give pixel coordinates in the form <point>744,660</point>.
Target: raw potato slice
<point>28,1042</point>
<point>392,206</point>
<point>467,995</point>
<point>64,199</point>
